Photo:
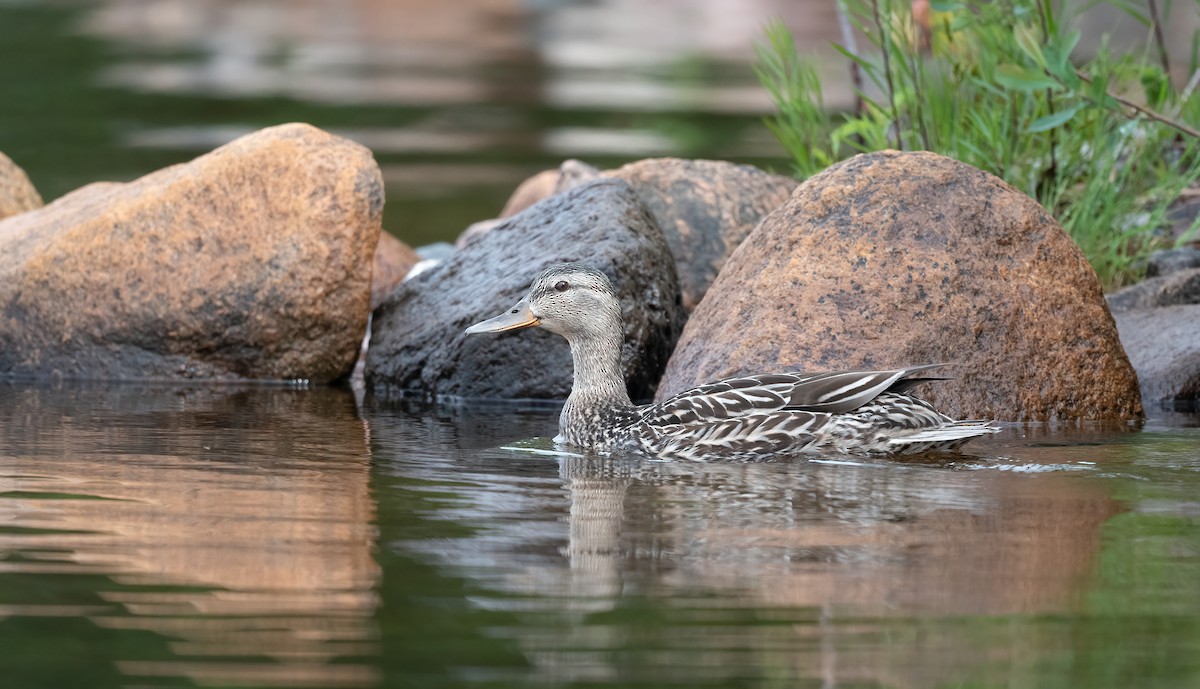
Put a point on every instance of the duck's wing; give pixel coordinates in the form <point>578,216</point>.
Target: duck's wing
<point>835,392</point>
<point>752,436</point>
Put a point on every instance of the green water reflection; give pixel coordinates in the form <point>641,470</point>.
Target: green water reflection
<point>276,537</point>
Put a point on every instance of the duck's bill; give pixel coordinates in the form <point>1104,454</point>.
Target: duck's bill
<point>519,316</point>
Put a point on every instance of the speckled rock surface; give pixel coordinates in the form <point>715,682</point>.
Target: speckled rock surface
<point>17,193</point>
<point>1164,348</point>
<point>417,342</point>
<point>705,208</point>
<point>248,262</point>
<point>1179,287</point>
<point>393,260</point>
<point>894,259</point>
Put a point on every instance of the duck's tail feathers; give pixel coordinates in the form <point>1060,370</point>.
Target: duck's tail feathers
<point>952,433</point>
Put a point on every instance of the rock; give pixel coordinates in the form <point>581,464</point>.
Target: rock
<point>247,262</point>
<point>393,260</point>
<point>893,259</point>
<point>1181,287</point>
<point>570,174</point>
<point>476,230</point>
<point>418,345</point>
<point>17,193</point>
<point>541,186</point>
<point>1169,261</point>
<point>705,208</point>
<point>437,251</point>
<point>1164,348</point>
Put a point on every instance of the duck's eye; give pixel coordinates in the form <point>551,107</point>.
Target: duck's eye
<point>562,286</point>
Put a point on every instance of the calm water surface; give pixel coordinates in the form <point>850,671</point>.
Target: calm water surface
<point>268,537</point>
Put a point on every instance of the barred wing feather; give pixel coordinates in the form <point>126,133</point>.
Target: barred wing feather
<point>745,437</point>
<point>831,393</point>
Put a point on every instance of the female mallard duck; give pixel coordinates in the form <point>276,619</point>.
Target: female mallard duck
<point>750,417</point>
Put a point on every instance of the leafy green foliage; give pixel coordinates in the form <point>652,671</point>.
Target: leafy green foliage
<point>1104,144</point>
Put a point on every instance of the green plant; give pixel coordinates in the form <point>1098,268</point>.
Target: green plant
<point>1104,144</point>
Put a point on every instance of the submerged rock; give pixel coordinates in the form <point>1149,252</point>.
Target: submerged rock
<point>705,209</point>
<point>1164,348</point>
<point>418,345</point>
<point>894,259</point>
<point>17,193</point>
<point>248,262</point>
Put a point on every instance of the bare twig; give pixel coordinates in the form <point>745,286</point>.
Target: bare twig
<point>918,114</point>
<point>887,72</point>
<point>1186,93</point>
<point>1158,38</point>
<point>851,46</point>
<point>1156,116</point>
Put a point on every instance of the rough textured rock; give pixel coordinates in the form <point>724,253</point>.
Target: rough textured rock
<point>894,259</point>
<point>543,185</point>
<point>1181,287</point>
<point>705,208</point>
<point>244,263</point>
<point>393,260</point>
<point>17,193</point>
<point>1164,348</point>
<point>417,342</point>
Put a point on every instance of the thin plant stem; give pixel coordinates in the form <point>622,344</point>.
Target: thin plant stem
<point>1158,37</point>
<point>887,72</point>
<point>1156,116</point>
<point>918,112</point>
<point>1186,93</point>
<point>1051,172</point>
<point>851,45</point>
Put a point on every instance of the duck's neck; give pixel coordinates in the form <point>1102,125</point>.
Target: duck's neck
<point>599,381</point>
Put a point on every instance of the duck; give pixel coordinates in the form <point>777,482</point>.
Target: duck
<point>751,417</point>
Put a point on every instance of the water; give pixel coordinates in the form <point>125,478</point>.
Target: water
<point>273,537</point>
<point>266,537</point>
<point>459,101</point>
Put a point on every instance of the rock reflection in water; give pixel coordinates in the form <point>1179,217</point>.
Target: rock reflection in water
<point>234,522</point>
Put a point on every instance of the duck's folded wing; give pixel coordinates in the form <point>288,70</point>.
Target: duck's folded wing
<point>833,393</point>
<point>742,437</point>
<point>845,391</point>
<point>725,399</point>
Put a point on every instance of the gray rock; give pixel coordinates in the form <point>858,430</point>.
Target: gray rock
<point>1182,287</point>
<point>1170,261</point>
<point>1163,345</point>
<point>437,251</point>
<point>541,186</point>
<point>418,345</point>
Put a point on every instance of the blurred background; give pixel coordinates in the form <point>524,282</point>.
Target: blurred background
<point>459,99</point>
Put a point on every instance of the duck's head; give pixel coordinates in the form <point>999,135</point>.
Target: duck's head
<point>571,299</point>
